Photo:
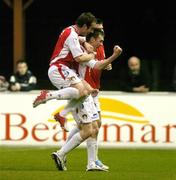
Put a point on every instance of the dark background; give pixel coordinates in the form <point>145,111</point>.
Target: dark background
<point>144,29</point>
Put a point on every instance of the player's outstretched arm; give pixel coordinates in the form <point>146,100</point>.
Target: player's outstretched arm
<point>103,64</point>
<point>85,57</point>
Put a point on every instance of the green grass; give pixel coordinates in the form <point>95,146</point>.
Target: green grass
<point>20,163</point>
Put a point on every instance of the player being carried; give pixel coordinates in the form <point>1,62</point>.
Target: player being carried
<point>68,51</point>
<point>92,76</point>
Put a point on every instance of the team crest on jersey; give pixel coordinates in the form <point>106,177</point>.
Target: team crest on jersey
<point>66,73</point>
<point>84,116</point>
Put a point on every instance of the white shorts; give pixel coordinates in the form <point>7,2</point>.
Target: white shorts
<point>97,103</point>
<point>62,76</point>
<point>86,112</point>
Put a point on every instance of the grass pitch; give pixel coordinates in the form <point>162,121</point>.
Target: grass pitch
<point>21,163</point>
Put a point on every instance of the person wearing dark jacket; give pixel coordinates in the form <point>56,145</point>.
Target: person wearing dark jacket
<point>136,78</point>
<point>23,79</point>
<point>3,84</point>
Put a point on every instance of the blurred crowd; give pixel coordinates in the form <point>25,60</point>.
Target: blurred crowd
<point>22,80</point>
<point>135,77</point>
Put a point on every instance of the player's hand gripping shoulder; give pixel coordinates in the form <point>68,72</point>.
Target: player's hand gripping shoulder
<point>89,48</point>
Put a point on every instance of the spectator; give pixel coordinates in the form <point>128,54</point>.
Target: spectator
<point>3,84</point>
<point>23,79</point>
<point>136,78</point>
<point>174,79</point>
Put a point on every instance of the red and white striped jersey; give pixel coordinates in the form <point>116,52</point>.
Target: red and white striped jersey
<point>91,75</point>
<point>67,47</point>
<point>95,74</point>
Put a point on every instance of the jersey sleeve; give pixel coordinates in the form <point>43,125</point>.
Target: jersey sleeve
<point>90,63</point>
<point>82,39</point>
<point>74,45</point>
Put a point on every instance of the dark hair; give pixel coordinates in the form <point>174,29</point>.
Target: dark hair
<point>95,34</point>
<point>21,61</point>
<point>99,21</point>
<point>85,18</point>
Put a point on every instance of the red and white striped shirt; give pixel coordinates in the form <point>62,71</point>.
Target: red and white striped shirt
<point>88,73</point>
<point>67,47</point>
<point>95,74</point>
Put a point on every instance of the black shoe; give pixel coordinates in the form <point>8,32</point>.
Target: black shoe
<point>58,161</point>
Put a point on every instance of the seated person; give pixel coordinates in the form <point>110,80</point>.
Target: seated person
<point>23,79</point>
<point>136,78</point>
<point>3,84</point>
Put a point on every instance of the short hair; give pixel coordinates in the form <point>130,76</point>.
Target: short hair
<point>99,21</point>
<point>21,61</point>
<point>85,18</point>
<point>94,34</point>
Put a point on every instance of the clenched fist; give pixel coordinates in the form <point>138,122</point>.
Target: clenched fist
<point>117,50</point>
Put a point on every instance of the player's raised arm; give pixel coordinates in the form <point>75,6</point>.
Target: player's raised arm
<point>85,57</point>
<point>102,64</point>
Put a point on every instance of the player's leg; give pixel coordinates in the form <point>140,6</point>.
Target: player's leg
<point>68,83</point>
<point>91,147</point>
<point>61,116</point>
<point>90,110</point>
<point>84,88</point>
<point>76,140</point>
<point>79,116</point>
<point>73,88</point>
<point>73,103</point>
<point>97,105</point>
<point>85,120</point>
<point>92,142</point>
<point>94,92</point>
<point>72,132</point>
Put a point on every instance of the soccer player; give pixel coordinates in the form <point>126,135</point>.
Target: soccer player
<point>81,117</point>
<point>68,50</point>
<point>61,74</point>
<point>94,80</point>
<point>92,76</point>
<point>96,40</point>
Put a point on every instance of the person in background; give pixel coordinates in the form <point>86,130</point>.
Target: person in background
<point>23,79</point>
<point>136,78</point>
<point>3,84</point>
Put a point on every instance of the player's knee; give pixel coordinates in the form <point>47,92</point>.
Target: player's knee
<point>87,134</point>
<point>86,131</point>
<point>84,92</point>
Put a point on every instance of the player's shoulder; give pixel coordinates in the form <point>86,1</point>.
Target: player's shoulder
<point>69,32</point>
<point>66,32</point>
